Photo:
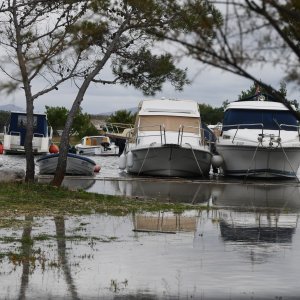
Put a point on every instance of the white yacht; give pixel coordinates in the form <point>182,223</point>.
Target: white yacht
<point>97,145</point>
<point>167,141</point>
<point>259,138</point>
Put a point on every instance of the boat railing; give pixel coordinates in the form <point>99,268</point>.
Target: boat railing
<point>162,131</point>
<point>183,131</point>
<point>116,128</point>
<point>203,141</point>
<point>292,126</point>
<point>237,126</point>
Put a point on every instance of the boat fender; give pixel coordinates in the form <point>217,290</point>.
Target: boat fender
<point>1,148</point>
<point>122,161</point>
<point>53,148</point>
<point>217,161</point>
<point>97,169</point>
<point>129,162</point>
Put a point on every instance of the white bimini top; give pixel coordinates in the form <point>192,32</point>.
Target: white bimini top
<point>186,108</point>
<point>267,105</point>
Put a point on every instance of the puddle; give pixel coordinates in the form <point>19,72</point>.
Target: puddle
<point>219,254</point>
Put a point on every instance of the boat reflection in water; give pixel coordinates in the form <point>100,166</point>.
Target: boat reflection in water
<point>72,182</point>
<point>253,195</point>
<point>257,215</point>
<point>158,189</point>
<point>165,222</point>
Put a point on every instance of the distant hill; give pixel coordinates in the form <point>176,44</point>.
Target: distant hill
<point>132,110</point>
<point>11,107</point>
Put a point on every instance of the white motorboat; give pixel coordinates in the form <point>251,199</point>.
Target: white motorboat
<point>15,132</point>
<point>167,141</point>
<point>259,138</point>
<point>97,145</point>
<point>76,164</point>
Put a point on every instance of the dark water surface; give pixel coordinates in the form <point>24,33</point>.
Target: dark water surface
<point>246,246</point>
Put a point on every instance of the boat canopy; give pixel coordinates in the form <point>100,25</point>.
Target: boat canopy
<point>18,122</point>
<point>169,107</point>
<point>271,119</point>
<point>169,123</point>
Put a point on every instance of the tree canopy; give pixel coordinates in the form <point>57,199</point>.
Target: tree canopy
<point>55,41</point>
<point>211,115</point>
<point>81,126</point>
<point>250,34</point>
<point>122,116</point>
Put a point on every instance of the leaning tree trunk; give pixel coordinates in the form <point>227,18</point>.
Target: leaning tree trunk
<point>64,141</point>
<point>63,150</point>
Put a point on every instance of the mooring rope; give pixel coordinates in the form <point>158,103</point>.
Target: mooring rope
<point>288,161</point>
<point>252,160</point>
<point>196,159</point>
<point>144,160</point>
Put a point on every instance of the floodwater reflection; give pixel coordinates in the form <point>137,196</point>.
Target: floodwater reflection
<point>166,190</point>
<point>214,254</point>
<point>271,195</point>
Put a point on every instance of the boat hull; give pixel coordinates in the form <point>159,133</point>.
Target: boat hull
<point>76,165</point>
<point>170,160</point>
<point>266,162</point>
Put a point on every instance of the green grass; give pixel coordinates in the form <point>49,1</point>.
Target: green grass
<point>41,200</point>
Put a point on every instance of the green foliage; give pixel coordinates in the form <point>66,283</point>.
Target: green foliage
<point>122,116</point>
<point>82,125</point>
<point>57,117</point>
<point>148,72</point>
<point>253,90</point>
<point>211,115</point>
<point>248,93</point>
<point>87,34</point>
<point>256,86</point>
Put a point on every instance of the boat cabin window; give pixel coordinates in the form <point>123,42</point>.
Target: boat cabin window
<point>96,141</point>
<point>22,121</point>
<point>171,123</point>
<point>271,119</point>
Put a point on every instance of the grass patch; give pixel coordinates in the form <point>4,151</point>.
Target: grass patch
<point>41,200</point>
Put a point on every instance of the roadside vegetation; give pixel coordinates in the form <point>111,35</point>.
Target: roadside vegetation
<point>45,200</point>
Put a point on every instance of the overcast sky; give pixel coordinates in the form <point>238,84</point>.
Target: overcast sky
<point>211,86</point>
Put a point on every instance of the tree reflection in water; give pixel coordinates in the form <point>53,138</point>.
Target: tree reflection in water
<point>26,253</point>
<point>61,249</point>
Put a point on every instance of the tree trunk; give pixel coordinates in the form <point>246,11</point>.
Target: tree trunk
<point>28,94</point>
<point>30,167</point>
<point>64,141</point>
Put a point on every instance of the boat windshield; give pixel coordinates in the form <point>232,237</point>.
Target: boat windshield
<point>169,123</point>
<point>252,118</point>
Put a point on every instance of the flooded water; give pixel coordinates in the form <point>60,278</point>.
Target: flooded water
<point>245,246</point>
